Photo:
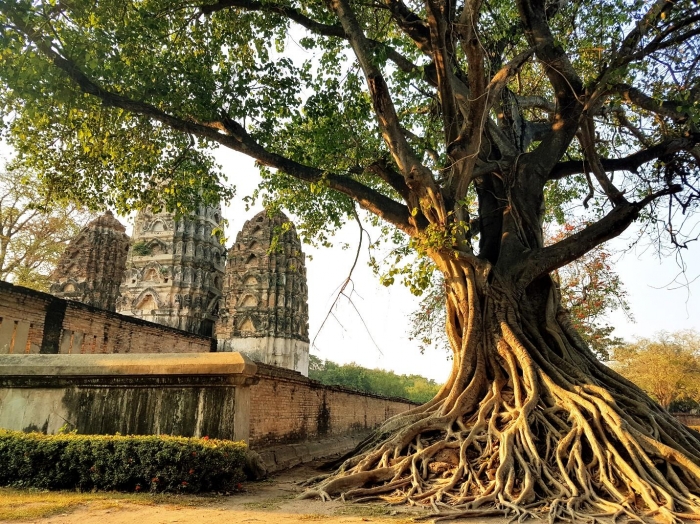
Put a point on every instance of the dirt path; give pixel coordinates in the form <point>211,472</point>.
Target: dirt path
<point>272,501</point>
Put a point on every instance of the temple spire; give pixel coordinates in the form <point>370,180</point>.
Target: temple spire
<point>175,270</point>
<point>91,268</point>
<point>264,310</point>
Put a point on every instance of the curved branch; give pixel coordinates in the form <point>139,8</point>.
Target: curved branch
<point>411,24</point>
<point>536,102</point>
<point>665,108</point>
<point>227,133</point>
<point>546,260</point>
<point>464,150</point>
<point>627,52</point>
<point>442,59</point>
<point>587,139</point>
<point>629,163</point>
<point>418,177</point>
<point>331,30</point>
<point>567,85</point>
<point>383,170</point>
<point>282,10</point>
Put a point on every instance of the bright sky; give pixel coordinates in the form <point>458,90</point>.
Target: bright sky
<point>657,302</point>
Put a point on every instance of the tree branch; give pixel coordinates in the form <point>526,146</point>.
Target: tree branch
<point>626,52</point>
<point>568,88</point>
<point>442,60</point>
<point>227,133</point>
<point>587,140</point>
<point>384,171</point>
<point>418,177</point>
<point>665,108</point>
<point>331,30</point>
<point>545,260</point>
<point>629,163</point>
<point>464,151</point>
<point>411,24</point>
<point>536,102</point>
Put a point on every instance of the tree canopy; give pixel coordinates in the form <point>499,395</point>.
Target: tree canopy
<point>667,366</point>
<point>122,102</point>
<point>463,125</point>
<point>33,235</point>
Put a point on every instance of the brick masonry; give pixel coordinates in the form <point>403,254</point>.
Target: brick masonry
<point>292,418</point>
<point>287,407</point>
<point>34,322</point>
<point>91,268</point>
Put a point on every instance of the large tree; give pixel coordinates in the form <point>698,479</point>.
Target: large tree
<point>460,124</point>
<point>33,234</point>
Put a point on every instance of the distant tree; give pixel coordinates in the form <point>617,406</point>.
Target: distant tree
<point>377,381</point>
<point>591,289</point>
<point>33,234</point>
<point>666,366</point>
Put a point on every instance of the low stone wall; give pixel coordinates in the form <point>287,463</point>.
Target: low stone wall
<point>34,322</point>
<point>287,407</point>
<point>184,395</point>
<point>63,362</point>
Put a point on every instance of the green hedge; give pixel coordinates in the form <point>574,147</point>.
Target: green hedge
<point>124,463</point>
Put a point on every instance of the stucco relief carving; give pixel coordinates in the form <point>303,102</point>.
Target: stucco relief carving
<point>265,294</point>
<point>94,264</point>
<point>190,286</point>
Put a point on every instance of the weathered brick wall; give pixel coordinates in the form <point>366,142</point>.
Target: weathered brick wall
<point>90,330</point>
<point>22,317</point>
<point>34,322</point>
<point>287,407</point>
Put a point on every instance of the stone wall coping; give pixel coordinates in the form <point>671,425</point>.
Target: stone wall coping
<point>98,365</point>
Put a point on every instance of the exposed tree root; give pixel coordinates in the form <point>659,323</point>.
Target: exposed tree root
<point>529,424</point>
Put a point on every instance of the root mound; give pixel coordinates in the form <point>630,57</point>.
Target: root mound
<point>529,424</point>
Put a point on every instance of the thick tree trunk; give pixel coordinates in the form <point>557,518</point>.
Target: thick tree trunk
<point>528,422</point>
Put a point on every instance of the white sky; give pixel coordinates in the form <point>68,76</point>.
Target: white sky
<point>657,302</point>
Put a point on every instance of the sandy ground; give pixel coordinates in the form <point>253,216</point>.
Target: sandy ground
<point>272,501</point>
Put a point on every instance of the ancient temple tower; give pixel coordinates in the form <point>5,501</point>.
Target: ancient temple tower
<point>264,311</point>
<point>91,268</point>
<point>175,270</point>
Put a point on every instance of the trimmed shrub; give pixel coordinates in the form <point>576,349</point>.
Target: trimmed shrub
<point>123,463</point>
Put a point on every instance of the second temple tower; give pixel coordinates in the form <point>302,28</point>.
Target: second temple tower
<point>174,271</point>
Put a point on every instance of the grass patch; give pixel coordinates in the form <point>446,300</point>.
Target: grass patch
<point>363,510</point>
<point>27,504</point>
<point>378,511</point>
